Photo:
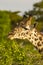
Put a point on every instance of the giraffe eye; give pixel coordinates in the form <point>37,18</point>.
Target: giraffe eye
<point>24,28</point>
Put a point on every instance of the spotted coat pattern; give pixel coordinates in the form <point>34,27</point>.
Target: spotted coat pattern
<point>35,37</point>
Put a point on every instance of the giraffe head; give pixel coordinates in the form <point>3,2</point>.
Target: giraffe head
<point>18,33</point>
<point>21,33</point>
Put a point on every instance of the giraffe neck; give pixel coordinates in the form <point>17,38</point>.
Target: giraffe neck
<point>33,36</point>
<point>36,39</point>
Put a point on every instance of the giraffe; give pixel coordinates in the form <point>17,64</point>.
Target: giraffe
<point>31,34</point>
<point>26,23</point>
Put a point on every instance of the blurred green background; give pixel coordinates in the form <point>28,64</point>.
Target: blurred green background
<point>19,52</point>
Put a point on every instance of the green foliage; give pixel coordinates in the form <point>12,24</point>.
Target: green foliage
<point>37,12</point>
<point>15,18</point>
<point>39,4</point>
<point>40,26</point>
<point>4,24</point>
<point>16,52</point>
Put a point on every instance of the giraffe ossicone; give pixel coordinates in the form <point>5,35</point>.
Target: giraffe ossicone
<point>35,37</point>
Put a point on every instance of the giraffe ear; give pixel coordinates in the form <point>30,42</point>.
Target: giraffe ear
<point>35,25</point>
